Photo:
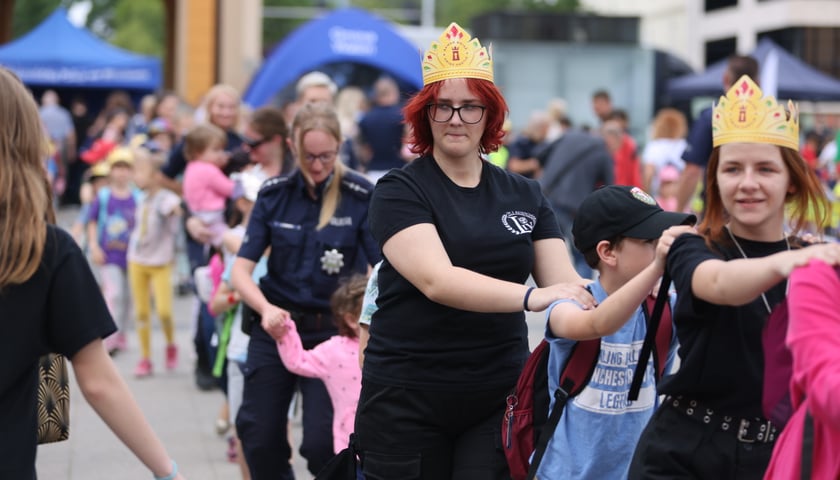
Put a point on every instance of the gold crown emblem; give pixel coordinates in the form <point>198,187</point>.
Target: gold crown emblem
<point>456,55</point>
<point>744,115</point>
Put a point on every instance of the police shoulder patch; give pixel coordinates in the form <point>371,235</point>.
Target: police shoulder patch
<point>274,183</point>
<point>357,185</point>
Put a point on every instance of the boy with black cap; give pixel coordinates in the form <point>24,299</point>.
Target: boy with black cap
<point>623,234</point>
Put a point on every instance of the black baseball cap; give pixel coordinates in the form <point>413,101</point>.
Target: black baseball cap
<point>622,210</point>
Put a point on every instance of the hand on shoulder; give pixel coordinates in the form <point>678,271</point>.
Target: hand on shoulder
<point>541,298</point>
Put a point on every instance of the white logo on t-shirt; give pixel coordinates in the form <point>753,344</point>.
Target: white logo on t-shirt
<point>519,222</point>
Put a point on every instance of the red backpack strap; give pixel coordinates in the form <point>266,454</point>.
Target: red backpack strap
<point>664,335</point>
<point>575,376</point>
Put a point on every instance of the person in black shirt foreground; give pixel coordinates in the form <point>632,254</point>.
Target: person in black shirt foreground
<point>50,302</point>
<point>460,237</point>
<point>728,280</point>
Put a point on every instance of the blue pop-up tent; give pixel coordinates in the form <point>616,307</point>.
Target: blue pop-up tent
<point>57,54</point>
<point>344,35</point>
<point>781,74</point>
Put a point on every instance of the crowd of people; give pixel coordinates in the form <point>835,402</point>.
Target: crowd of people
<point>373,254</point>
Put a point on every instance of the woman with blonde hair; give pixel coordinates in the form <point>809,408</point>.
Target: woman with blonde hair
<point>315,221</point>
<point>50,302</point>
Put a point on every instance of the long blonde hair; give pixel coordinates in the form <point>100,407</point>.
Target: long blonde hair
<point>320,116</point>
<point>25,193</point>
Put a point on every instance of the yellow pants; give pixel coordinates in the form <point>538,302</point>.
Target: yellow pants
<point>159,278</point>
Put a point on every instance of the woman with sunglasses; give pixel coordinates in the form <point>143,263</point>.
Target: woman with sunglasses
<point>460,238</point>
<point>315,222</point>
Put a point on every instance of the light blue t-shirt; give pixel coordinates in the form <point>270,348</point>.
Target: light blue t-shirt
<point>599,428</point>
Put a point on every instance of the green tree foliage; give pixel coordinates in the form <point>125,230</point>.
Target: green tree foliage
<point>139,26</point>
<point>29,13</point>
<point>408,11</point>
<point>136,25</point>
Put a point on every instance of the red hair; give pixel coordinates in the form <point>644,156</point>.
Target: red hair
<point>808,195</point>
<point>417,115</point>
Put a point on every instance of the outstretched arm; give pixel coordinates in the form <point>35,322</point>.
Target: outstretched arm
<point>417,253</point>
<point>712,280</point>
<point>110,397</point>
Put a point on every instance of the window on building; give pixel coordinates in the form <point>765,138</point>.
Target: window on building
<point>717,50</point>
<point>717,4</point>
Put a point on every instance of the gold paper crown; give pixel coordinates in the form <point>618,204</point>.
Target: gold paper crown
<point>456,55</point>
<point>744,116</point>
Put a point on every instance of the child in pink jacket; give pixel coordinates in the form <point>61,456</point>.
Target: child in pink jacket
<point>814,340</point>
<point>334,361</point>
<point>206,188</point>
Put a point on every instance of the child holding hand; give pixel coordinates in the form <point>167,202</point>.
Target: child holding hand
<point>334,361</point>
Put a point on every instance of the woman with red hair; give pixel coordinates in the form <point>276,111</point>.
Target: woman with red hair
<point>460,238</point>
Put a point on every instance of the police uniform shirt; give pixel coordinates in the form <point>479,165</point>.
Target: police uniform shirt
<point>305,264</point>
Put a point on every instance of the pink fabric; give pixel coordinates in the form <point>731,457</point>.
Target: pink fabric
<point>814,339</point>
<point>216,267</point>
<point>336,362</point>
<point>206,187</point>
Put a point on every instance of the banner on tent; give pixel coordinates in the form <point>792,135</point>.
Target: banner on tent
<point>346,41</point>
<point>81,76</point>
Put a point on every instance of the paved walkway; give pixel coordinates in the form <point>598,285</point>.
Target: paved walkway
<point>181,414</point>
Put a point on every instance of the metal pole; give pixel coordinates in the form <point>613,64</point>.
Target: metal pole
<point>427,14</point>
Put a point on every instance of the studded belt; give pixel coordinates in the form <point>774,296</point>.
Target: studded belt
<point>746,430</point>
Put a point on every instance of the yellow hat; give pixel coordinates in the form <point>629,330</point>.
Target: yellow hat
<point>100,169</point>
<point>456,55</point>
<point>745,115</point>
<point>120,155</point>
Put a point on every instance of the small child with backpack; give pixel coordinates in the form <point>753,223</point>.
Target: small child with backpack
<point>110,222</point>
<point>625,236</point>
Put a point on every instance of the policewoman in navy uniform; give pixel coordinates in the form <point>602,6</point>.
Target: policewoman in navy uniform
<point>315,222</point>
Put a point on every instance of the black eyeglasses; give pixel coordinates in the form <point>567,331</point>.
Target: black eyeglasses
<point>442,113</point>
<point>325,158</point>
<point>252,143</point>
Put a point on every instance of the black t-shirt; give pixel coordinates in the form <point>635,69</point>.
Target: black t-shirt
<point>722,363</point>
<point>489,229</point>
<point>59,309</point>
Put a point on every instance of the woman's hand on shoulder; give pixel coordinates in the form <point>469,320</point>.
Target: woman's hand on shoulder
<point>541,298</point>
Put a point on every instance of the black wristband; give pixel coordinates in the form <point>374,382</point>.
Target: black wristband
<point>527,296</point>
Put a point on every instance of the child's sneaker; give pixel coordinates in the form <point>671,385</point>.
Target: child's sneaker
<point>171,356</point>
<point>143,369</point>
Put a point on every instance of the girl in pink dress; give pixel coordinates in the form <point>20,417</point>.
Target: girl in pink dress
<point>334,361</point>
<point>815,344</point>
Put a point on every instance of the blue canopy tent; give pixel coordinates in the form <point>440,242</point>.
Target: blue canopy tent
<point>57,54</point>
<point>344,35</point>
<point>781,74</point>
